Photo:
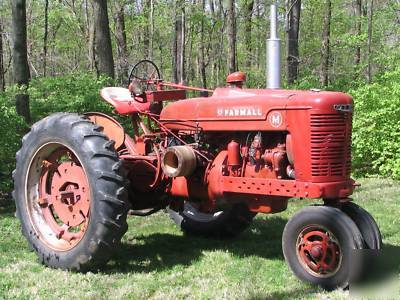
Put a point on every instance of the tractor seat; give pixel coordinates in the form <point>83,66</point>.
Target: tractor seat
<point>122,100</point>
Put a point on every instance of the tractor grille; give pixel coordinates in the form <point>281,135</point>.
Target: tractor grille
<point>331,145</point>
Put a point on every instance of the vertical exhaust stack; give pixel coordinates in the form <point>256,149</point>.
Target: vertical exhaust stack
<point>273,52</point>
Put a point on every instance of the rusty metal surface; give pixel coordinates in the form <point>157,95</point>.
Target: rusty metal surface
<point>63,200</point>
<point>258,146</point>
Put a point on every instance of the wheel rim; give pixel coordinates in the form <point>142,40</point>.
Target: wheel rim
<point>58,196</point>
<point>319,252</point>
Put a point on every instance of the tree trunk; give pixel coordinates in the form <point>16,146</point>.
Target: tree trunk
<point>182,45</point>
<point>151,31</point>
<point>175,45</point>
<point>232,67</point>
<point>214,44</point>
<point>248,8</point>
<point>190,73</point>
<point>221,16</point>
<point>293,24</point>
<point>20,56</point>
<point>325,47</point>
<point>146,31</point>
<point>357,55</point>
<point>103,39</point>
<point>258,30</point>
<point>46,32</point>
<point>91,52</point>
<point>2,83</point>
<point>201,54</point>
<point>178,49</point>
<point>120,36</point>
<point>369,42</point>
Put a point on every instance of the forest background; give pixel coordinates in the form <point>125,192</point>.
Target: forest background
<point>55,55</point>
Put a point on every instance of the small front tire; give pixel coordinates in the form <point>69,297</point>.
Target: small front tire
<point>318,244</point>
<point>365,223</point>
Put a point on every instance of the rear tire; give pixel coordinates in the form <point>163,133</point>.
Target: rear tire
<point>222,224</point>
<point>98,214</point>
<point>318,244</point>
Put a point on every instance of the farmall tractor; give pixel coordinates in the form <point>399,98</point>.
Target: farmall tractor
<point>212,162</point>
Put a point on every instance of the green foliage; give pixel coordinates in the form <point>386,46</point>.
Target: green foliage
<point>72,93</point>
<point>12,127</point>
<point>376,135</point>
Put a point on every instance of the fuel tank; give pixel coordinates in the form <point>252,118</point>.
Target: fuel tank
<point>233,109</point>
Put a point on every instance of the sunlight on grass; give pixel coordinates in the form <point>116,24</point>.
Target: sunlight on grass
<point>156,261</point>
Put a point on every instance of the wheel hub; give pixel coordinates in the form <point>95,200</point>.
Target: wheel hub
<point>319,251</point>
<point>69,194</point>
<point>316,251</point>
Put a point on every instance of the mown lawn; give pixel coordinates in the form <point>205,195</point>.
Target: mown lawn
<point>156,261</point>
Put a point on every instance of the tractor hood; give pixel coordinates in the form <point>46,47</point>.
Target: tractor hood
<point>232,109</point>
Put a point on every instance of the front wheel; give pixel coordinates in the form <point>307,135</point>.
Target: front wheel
<point>365,223</point>
<point>69,192</point>
<point>227,223</point>
<point>319,243</point>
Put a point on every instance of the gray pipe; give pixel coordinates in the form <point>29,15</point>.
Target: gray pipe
<point>273,52</point>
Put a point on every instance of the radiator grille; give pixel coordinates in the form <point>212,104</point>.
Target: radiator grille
<point>331,144</point>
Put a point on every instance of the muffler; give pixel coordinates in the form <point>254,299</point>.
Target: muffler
<point>179,161</point>
<point>273,52</point>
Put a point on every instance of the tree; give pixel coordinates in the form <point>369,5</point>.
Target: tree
<point>178,47</point>
<point>201,54</point>
<point>231,34</point>
<point>91,35</point>
<point>220,44</point>
<point>232,66</point>
<point>325,47</point>
<point>2,83</point>
<point>148,29</point>
<point>369,42</point>
<point>120,36</point>
<point>293,26</point>
<point>20,57</point>
<point>357,55</point>
<point>102,39</point>
<point>248,14</point>
<point>46,32</point>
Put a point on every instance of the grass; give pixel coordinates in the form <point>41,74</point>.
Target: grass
<point>156,261</point>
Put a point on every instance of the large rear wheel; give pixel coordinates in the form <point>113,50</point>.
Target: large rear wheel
<point>227,223</point>
<point>69,192</point>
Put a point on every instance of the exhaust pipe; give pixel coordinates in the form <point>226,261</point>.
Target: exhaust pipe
<point>273,52</point>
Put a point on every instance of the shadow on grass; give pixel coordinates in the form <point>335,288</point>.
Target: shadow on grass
<point>381,265</point>
<point>157,251</point>
<point>288,294</point>
<point>160,251</point>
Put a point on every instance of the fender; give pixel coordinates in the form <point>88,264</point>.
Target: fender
<point>112,128</point>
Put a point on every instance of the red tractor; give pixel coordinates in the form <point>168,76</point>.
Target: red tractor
<point>213,162</point>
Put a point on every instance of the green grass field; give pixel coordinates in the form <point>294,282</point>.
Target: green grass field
<point>157,262</point>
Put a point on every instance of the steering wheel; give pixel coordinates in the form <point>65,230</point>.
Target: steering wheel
<point>143,76</point>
